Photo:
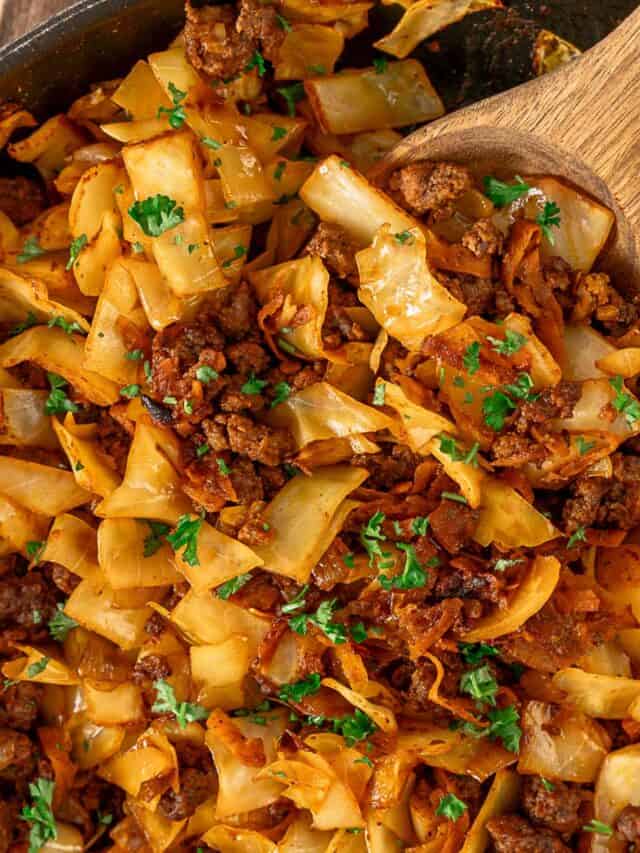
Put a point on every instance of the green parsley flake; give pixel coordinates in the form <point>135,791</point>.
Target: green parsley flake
<point>130,391</point>
<point>623,402</point>
<point>166,703</point>
<point>548,219</point>
<point>471,358</point>
<point>156,214</point>
<point>578,535</point>
<point>283,23</point>
<point>473,653</point>
<point>185,535</point>
<point>292,94</point>
<point>74,250</point>
<point>510,344</point>
<point>223,467</point>
<point>282,391</point>
<point>57,403</point>
<point>40,814</point>
<point>413,576</point>
<point>30,321</point>
<point>451,807</point>
<point>584,446</point>
<point>453,496</point>
<point>34,550</point>
<point>206,374</point>
<point>211,143</point>
<point>134,355</point>
<point>547,785</point>
<point>38,667</point>
<point>278,133</point>
<point>257,61</point>
<point>378,394</point>
<point>380,64</point>
<point>297,601</point>
<point>278,172</point>
<point>503,563</point>
<point>296,691</point>
<point>371,536</point>
<point>449,446</point>
<point>420,525</point>
<point>348,560</point>
<point>153,542</point>
<point>60,624</point>
<point>480,684</point>
<point>175,114</point>
<point>202,450</point>
<point>403,237</point>
<point>598,827</point>
<point>226,590</point>
<point>253,385</point>
<point>354,727</point>
<point>30,250</point>
<point>502,194</point>
<point>322,619</point>
<point>67,327</point>
<point>358,632</point>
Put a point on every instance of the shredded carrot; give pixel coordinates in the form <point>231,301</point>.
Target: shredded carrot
<point>456,706</point>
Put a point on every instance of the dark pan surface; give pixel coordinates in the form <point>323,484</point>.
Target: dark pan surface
<point>482,55</point>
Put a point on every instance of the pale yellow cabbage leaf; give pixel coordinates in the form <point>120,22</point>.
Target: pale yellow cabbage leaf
<point>220,558</point>
<point>20,297</point>
<point>24,420</point>
<point>398,288</point>
<point>508,520</point>
<point>96,611</point>
<point>306,49</point>
<point>93,197</point>
<point>38,666</point>
<point>121,547</point>
<point>55,351</point>
<point>40,488</point>
<point>72,543</point>
<point>152,756</point>
<point>502,798</point>
<point>584,347</point>
<point>18,526</point>
<point>618,786</point>
<point>603,696</point>
<point>531,595</point>
<point>356,100</point>
<point>230,839</point>
<point>300,518</point>
<point>219,671</point>
<point>151,485</point>
<point>119,706</point>
<point>89,466</point>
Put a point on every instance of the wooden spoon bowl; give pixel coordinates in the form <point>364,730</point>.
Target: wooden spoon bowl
<point>581,124</point>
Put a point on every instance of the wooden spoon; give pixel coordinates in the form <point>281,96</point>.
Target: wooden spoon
<point>581,123</point>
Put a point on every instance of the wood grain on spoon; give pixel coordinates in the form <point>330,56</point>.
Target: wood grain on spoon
<point>581,122</point>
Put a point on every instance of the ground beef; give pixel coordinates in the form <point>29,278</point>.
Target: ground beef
<point>8,819</point>
<point>65,580</point>
<point>556,808</point>
<point>555,402</point>
<point>236,311</point>
<point>607,503</point>
<point>22,199</point>
<point>248,357</point>
<point>339,328</point>
<point>233,399</point>
<point>151,668</point>
<point>483,238</point>
<point>17,756</point>
<point>213,43</point>
<point>513,450</point>
<point>114,439</point>
<point>333,245</point>
<point>423,625</point>
<point>195,788</point>
<point>453,524</point>
<point>245,481</point>
<point>216,435</point>
<point>260,23</point>
<point>19,705</point>
<point>594,297</point>
<point>627,825</point>
<point>477,293</point>
<point>254,530</point>
<point>26,602</point>
<point>466,582</point>
<point>581,509</point>
<point>513,834</point>
<point>431,188</point>
<point>331,568</point>
<point>269,445</point>
<point>422,680</point>
<point>387,469</point>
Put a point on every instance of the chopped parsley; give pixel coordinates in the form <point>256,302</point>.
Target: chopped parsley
<point>40,814</point>
<point>166,703</point>
<point>371,536</point>
<point>185,536</point>
<point>74,250</point>
<point>473,653</point>
<point>471,358</point>
<point>156,214</point>
<point>292,94</point>
<point>448,445</point>
<point>403,237</point>
<point>297,601</point>
<point>453,496</point>
<point>134,355</point>
<point>57,403</point>
<point>578,535</point>
<point>206,374</point>
<point>354,727</point>
<point>598,827</point>
<point>504,725</point>
<point>419,525</point>
<point>498,406</point>
<point>358,632</point>
<point>380,64</point>
<point>238,252</point>
<point>547,785</point>
<point>296,691</point>
<point>503,563</point>
<point>30,250</point>
<point>451,807</point>
<point>348,560</point>
<point>283,23</point>
<point>130,391</point>
<point>226,590</point>
<point>223,467</point>
<point>278,133</point>
<point>322,619</point>
<point>175,114</point>
<point>548,219</point>
<point>61,624</point>
<point>623,402</point>
<point>278,172</point>
<point>202,450</point>
<point>257,61</point>
<point>34,550</point>
<point>511,344</point>
<point>38,667</point>
<point>253,385</point>
<point>70,328</point>
<point>480,684</point>
<point>378,394</point>
<point>286,346</point>
<point>153,542</point>
<point>583,445</point>
<point>282,391</point>
<point>30,321</point>
<point>413,576</point>
<point>502,194</point>
<point>211,143</point>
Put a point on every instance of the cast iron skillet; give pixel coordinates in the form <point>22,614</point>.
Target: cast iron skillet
<point>97,40</point>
